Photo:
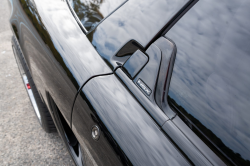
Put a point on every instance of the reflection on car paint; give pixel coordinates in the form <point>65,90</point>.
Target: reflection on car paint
<point>210,81</point>
<point>51,40</point>
<point>126,122</point>
<point>91,12</point>
<point>135,20</point>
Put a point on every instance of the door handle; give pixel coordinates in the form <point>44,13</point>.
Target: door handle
<point>151,71</point>
<point>143,69</point>
<point>134,64</point>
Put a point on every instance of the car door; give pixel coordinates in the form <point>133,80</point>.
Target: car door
<point>122,105</point>
<point>194,100</point>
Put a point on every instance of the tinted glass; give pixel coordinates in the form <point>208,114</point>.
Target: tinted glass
<point>91,12</point>
<point>210,84</point>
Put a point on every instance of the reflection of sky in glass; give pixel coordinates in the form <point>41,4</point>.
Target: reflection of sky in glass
<point>211,77</point>
<point>91,12</point>
<point>137,20</point>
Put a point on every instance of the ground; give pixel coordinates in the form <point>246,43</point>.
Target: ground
<point>22,140</point>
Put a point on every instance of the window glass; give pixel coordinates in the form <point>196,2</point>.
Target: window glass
<point>91,12</point>
<point>210,84</point>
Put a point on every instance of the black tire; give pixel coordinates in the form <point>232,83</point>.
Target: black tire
<point>45,118</point>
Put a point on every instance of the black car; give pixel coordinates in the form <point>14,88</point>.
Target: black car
<point>139,82</point>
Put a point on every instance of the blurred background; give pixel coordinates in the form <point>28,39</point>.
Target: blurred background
<point>22,140</point>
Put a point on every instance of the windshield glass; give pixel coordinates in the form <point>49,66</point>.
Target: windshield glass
<point>210,84</point>
<point>91,12</point>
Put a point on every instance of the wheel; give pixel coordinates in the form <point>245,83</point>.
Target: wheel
<point>68,137</point>
<point>40,108</point>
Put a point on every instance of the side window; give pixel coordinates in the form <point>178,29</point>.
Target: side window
<point>210,84</point>
<point>91,12</point>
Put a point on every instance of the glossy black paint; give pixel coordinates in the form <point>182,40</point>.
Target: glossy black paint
<point>155,75</point>
<point>60,57</point>
<point>149,73</point>
<point>135,20</point>
<point>135,63</point>
<point>69,67</point>
<point>151,107</point>
<point>168,53</point>
<point>138,138</point>
<point>186,145</point>
<point>193,150</point>
<point>62,60</point>
<point>210,83</point>
<point>179,125</point>
<point>128,49</point>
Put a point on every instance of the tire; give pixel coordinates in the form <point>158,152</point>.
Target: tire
<point>40,109</point>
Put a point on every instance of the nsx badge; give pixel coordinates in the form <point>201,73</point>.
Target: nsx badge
<point>144,87</point>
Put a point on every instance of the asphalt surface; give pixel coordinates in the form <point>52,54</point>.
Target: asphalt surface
<point>22,140</point>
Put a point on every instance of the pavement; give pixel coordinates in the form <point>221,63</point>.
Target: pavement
<point>22,140</point>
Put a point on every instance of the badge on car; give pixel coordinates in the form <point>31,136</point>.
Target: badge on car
<point>144,87</point>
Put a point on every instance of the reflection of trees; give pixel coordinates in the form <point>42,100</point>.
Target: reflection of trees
<point>88,12</point>
<point>31,12</point>
<point>235,157</point>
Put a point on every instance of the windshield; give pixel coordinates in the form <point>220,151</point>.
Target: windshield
<point>210,84</point>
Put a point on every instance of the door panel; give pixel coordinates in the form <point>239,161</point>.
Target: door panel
<point>124,123</point>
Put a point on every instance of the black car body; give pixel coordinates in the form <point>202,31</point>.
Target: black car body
<point>137,82</point>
